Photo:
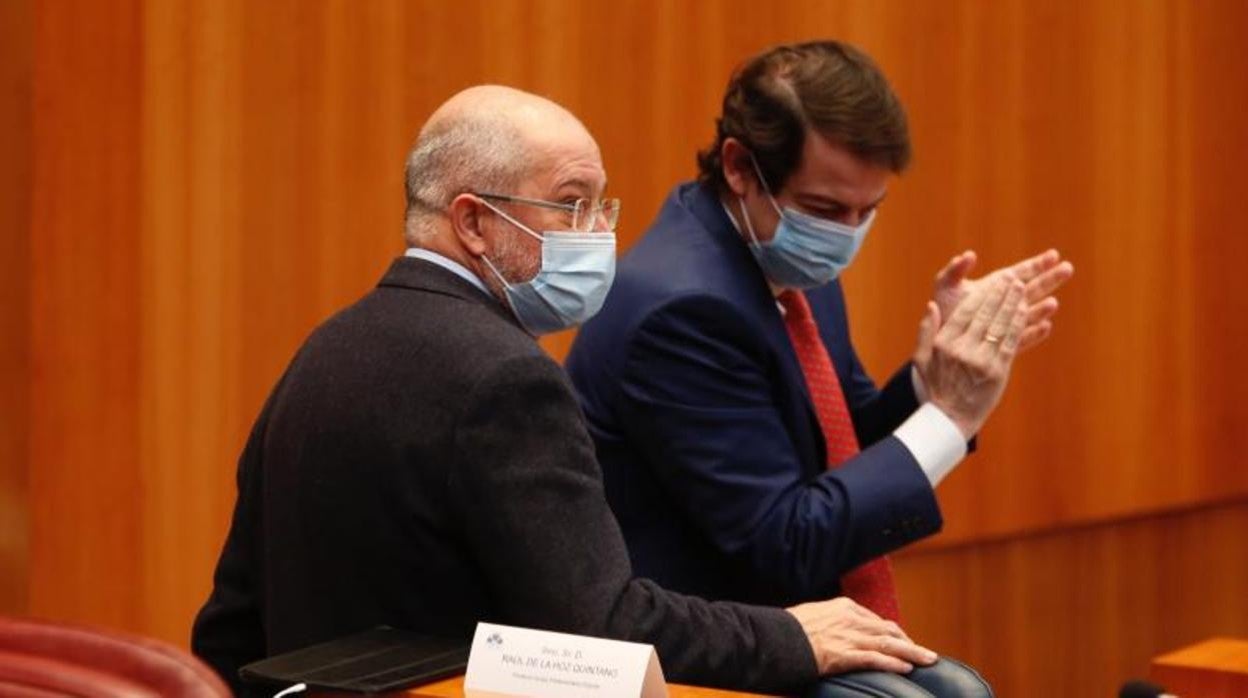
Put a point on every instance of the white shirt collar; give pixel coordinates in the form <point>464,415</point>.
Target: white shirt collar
<point>450,265</point>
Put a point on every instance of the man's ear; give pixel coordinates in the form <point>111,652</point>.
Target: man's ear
<point>465,214</point>
<point>739,172</point>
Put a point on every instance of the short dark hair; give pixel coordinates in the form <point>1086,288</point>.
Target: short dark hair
<point>825,86</point>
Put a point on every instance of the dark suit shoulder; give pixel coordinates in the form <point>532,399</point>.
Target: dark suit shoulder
<point>433,323</point>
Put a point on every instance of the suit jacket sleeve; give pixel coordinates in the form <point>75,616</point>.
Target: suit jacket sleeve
<point>534,512</point>
<point>876,412</point>
<point>229,630</point>
<point>698,399</point>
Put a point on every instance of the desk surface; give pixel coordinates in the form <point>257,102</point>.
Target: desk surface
<point>1210,669</point>
<point>454,688</point>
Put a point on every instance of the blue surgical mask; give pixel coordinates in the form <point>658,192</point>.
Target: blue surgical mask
<point>806,251</point>
<point>571,285</point>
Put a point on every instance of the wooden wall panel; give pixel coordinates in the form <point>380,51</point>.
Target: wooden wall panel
<point>190,302</point>
<point>15,153</point>
<point>212,179</point>
<point>1090,127</point>
<point>1079,611</point>
<point>239,269</point>
<point>86,490</point>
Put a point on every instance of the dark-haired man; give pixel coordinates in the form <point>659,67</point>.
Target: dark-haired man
<point>746,453</point>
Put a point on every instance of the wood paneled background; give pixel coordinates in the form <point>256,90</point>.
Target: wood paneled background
<point>188,187</point>
<point>15,160</point>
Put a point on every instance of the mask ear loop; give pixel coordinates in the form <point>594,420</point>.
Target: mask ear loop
<point>761,180</point>
<point>514,222</point>
<point>497,273</point>
<point>749,226</point>
<point>506,285</point>
<point>745,216</point>
<point>507,217</point>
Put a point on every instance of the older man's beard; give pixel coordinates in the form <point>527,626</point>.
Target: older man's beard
<point>513,262</point>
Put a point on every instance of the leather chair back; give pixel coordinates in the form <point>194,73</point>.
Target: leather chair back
<point>49,659</point>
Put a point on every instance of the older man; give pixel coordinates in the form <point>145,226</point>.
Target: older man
<point>423,464</point>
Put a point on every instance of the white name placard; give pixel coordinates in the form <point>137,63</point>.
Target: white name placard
<point>507,661</point>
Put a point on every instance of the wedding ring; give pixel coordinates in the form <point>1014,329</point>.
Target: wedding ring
<point>991,339</point>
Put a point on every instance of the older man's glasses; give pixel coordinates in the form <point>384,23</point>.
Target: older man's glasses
<point>588,215</point>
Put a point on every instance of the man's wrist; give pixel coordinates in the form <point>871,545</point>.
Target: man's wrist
<point>935,441</point>
<point>916,381</point>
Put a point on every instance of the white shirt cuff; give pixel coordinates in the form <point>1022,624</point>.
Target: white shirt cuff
<point>934,441</point>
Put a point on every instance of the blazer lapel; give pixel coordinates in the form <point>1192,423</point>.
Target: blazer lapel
<point>706,207</point>
<point>760,303</point>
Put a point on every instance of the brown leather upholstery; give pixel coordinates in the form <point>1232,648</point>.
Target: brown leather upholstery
<point>40,659</point>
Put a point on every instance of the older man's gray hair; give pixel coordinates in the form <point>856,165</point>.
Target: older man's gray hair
<point>462,152</point>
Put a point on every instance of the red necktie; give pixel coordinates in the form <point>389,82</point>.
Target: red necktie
<point>872,583</point>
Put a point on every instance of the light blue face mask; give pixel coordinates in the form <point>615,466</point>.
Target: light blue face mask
<point>806,251</point>
<point>571,285</point>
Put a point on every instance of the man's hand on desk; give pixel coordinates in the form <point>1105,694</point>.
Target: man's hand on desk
<point>848,637</point>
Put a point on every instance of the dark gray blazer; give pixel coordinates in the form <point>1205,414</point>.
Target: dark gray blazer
<point>423,464</point>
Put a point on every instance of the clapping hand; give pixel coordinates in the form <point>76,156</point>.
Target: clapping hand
<point>1041,276</point>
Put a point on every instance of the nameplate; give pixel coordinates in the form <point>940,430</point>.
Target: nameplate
<point>507,661</point>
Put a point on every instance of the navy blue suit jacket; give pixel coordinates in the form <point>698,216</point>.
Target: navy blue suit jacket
<point>713,459</point>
